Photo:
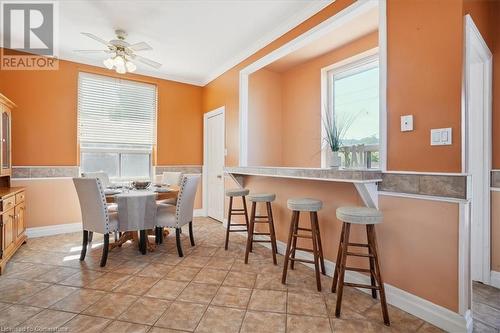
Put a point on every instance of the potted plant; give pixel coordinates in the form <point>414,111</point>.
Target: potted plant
<point>335,130</point>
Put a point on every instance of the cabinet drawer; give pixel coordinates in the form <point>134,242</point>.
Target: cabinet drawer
<point>20,197</point>
<point>8,203</point>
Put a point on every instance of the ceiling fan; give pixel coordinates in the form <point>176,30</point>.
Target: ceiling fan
<point>121,52</point>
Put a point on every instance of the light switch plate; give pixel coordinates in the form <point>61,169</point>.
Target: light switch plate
<point>441,136</point>
<point>407,123</point>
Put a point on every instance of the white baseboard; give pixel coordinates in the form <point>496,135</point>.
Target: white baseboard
<point>199,212</point>
<point>53,230</point>
<point>495,279</point>
<point>435,314</point>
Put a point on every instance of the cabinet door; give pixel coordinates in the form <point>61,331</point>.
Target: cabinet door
<point>19,219</point>
<point>8,230</point>
<point>6,142</point>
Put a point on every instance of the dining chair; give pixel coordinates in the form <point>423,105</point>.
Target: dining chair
<point>95,214</point>
<point>170,178</point>
<point>171,216</point>
<point>101,175</point>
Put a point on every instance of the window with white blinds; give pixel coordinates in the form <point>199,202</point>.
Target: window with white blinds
<point>116,125</point>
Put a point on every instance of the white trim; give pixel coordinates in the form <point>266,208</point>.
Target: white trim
<point>425,173</point>
<point>338,180</point>
<point>200,212</point>
<point>464,269</point>
<point>474,42</point>
<point>356,9</point>
<point>219,111</point>
<point>292,22</point>
<point>495,279</point>
<point>368,193</point>
<point>382,65</point>
<point>422,197</point>
<point>495,189</point>
<point>435,314</point>
<point>53,230</point>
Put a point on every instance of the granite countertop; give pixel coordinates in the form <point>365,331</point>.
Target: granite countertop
<point>340,175</point>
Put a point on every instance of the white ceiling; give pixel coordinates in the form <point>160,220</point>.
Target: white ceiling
<point>196,41</point>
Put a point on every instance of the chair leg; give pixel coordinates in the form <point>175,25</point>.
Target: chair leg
<point>191,234</point>
<point>294,240</point>
<point>250,232</point>
<point>314,232</point>
<point>339,258</point>
<point>116,236</point>
<point>228,227</point>
<point>143,241</point>
<point>295,216</point>
<point>157,235</point>
<point>178,241</point>
<point>84,245</point>
<point>91,236</point>
<point>373,244</point>
<point>320,247</point>
<point>372,263</point>
<point>343,261</point>
<point>105,249</point>
<point>271,231</point>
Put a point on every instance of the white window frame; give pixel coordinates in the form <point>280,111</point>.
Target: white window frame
<point>347,67</point>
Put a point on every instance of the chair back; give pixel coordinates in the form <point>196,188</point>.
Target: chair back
<point>185,199</point>
<point>101,175</point>
<point>92,204</point>
<point>171,178</point>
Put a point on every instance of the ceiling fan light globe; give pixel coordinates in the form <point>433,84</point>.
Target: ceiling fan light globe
<point>119,61</point>
<point>121,69</point>
<point>109,63</point>
<point>131,67</point>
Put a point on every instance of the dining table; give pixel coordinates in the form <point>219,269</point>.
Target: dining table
<point>143,200</point>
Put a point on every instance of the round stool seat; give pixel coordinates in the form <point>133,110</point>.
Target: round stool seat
<point>262,197</point>
<point>237,192</point>
<point>359,215</point>
<point>304,204</point>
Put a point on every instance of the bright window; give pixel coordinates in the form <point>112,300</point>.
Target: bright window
<point>116,126</point>
<point>354,103</point>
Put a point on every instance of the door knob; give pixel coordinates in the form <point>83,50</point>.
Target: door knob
<point>219,176</point>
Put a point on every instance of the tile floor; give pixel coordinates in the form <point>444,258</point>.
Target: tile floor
<point>485,308</point>
<point>209,290</point>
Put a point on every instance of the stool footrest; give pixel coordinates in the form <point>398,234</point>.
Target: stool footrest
<point>239,230</point>
<point>302,236</point>
<point>357,244</point>
<point>261,234</point>
<point>304,249</point>
<point>302,260</point>
<point>355,254</point>
<point>356,269</point>
<point>261,241</point>
<point>304,229</point>
<point>238,214</point>
<point>237,209</point>
<point>266,221</point>
<point>260,217</point>
<point>238,225</point>
<point>357,285</point>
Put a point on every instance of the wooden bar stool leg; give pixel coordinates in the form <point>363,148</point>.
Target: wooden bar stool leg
<point>343,261</point>
<point>288,246</point>
<point>243,198</point>
<point>320,247</point>
<point>250,232</point>
<point>228,221</point>
<point>271,231</point>
<point>372,263</point>
<point>373,243</point>
<point>314,230</point>
<point>339,258</point>
<point>294,239</point>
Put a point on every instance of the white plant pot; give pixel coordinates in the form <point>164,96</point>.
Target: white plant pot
<point>333,159</point>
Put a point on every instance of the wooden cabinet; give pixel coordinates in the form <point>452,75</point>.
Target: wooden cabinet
<point>12,199</point>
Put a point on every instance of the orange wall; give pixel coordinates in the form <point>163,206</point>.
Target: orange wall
<point>44,125</point>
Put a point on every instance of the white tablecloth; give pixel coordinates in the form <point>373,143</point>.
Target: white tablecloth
<point>136,210</point>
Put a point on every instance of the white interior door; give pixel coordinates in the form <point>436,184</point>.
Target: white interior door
<point>214,163</point>
<point>478,73</point>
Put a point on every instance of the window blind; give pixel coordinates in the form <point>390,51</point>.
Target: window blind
<point>116,111</point>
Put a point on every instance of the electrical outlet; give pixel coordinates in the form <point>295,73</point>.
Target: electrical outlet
<point>441,136</point>
<point>407,123</point>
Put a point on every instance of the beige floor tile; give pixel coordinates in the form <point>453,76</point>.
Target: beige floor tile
<point>164,330</point>
<point>240,279</point>
<point>130,267</point>
<point>145,310</point>
<point>194,261</point>
<point>108,281</point>
<point>346,311</point>
<point>268,300</point>
<point>110,306</point>
<point>399,319</point>
<point>78,300</point>
<point>223,263</point>
<point>16,314</point>
<point>263,322</point>
<point>166,289</point>
<point>304,324</point>
<point>204,251</point>
<point>155,270</point>
<point>198,293</point>
<point>82,278</point>
<point>48,296</point>
<point>47,320</point>
<point>85,324</point>
<point>210,276</point>
<point>136,285</point>
<point>169,259</point>
<point>124,327</point>
<point>233,297</point>
<point>56,274</point>
<point>182,273</point>
<point>270,281</point>
<point>221,320</point>
<point>429,328</point>
<point>356,299</point>
<point>306,304</point>
<point>182,316</point>
<point>14,290</point>
<point>361,326</point>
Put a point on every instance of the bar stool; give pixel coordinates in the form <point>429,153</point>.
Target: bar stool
<point>297,206</point>
<point>231,193</point>
<point>266,198</point>
<point>368,217</point>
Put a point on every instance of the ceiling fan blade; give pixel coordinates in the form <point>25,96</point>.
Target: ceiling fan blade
<point>94,37</point>
<point>91,51</point>
<point>142,46</point>
<point>147,61</point>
